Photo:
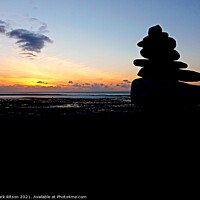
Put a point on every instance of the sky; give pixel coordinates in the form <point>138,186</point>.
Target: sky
<point>87,45</point>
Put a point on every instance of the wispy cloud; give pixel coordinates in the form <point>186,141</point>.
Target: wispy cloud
<point>3,27</point>
<point>29,55</point>
<point>40,26</point>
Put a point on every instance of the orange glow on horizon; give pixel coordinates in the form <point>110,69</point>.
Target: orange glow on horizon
<point>55,73</point>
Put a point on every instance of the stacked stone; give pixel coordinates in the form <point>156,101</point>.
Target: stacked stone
<point>160,72</point>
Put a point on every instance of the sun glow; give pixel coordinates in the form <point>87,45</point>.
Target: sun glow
<point>57,73</point>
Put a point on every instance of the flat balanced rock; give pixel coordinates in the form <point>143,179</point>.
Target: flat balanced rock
<point>148,92</point>
<point>156,64</point>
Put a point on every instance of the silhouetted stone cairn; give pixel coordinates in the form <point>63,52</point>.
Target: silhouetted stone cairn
<point>163,77</point>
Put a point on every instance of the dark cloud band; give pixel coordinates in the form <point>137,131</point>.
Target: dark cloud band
<point>29,41</point>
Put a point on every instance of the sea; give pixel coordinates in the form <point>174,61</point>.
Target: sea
<point>81,95</point>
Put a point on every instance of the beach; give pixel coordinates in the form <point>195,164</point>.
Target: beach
<point>70,137</point>
<point>46,107</point>
<point>115,111</point>
<point>55,109</point>
<point>51,140</point>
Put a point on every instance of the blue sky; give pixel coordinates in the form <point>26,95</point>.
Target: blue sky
<point>93,42</point>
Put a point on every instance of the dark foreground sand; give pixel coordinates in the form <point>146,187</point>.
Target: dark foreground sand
<point>63,107</point>
<point>94,146</point>
<point>80,108</point>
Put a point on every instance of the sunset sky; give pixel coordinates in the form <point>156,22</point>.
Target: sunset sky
<point>87,45</point>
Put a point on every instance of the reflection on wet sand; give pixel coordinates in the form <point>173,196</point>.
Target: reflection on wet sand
<point>63,106</point>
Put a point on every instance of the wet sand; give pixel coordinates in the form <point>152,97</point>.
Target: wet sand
<point>62,110</point>
<point>103,112</point>
<point>49,107</point>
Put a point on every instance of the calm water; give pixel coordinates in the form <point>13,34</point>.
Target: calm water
<point>90,95</point>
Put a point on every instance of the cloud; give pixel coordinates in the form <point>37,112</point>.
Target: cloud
<point>29,55</point>
<point>89,86</point>
<point>72,86</point>
<point>42,82</point>
<point>29,42</point>
<point>98,86</point>
<point>124,84</point>
<point>41,26</point>
<point>126,81</point>
<point>3,27</point>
